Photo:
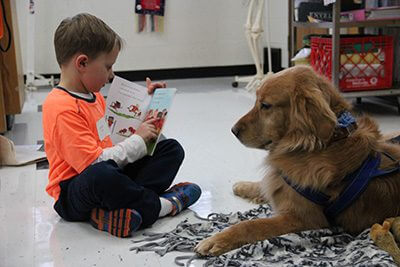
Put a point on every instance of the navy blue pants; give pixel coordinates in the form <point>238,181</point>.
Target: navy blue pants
<point>136,186</point>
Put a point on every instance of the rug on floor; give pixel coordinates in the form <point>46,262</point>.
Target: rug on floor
<point>325,247</point>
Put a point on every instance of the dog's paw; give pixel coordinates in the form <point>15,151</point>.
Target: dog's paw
<point>245,190</point>
<point>250,191</point>
<point>213,246</point>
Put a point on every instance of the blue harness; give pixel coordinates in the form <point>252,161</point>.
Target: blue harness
<point>358,180</point>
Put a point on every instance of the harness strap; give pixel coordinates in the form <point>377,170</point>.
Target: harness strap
<point>315,196</point>
<point>368,171</point>
<point>358,183</point>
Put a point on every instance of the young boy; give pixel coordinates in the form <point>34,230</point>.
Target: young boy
<point>117,187</point>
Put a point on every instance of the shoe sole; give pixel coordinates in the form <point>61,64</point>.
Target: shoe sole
<point>120,223</point>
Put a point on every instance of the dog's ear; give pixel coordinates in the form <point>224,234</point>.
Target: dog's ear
<point>312,121</point>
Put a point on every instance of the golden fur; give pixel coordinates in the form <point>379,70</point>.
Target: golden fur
<point>294,117</point>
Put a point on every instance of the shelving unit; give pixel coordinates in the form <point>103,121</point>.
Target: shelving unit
<point>12,89</point>
<point>336,25</point>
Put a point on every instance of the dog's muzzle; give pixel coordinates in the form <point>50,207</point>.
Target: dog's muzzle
<point>236,131</point>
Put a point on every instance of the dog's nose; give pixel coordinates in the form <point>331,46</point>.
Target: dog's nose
<point>235,130</point>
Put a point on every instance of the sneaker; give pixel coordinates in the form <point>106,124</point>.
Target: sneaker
<point>182,195</point>
<point>120,222</point>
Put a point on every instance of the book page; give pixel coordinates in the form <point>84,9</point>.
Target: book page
<point>126,107</point>
<point>158,109</point>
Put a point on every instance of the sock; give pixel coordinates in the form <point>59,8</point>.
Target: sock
<point>166,207</point>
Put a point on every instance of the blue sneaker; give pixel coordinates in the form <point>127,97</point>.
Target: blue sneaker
<point>120,222</point>
<point>182,195</point>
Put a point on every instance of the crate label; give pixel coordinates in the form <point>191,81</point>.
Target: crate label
<point>357,82</point>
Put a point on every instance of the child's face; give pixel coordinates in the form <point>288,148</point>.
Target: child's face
<point>99,71</point>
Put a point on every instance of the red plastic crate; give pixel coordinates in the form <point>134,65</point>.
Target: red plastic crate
<point>366,63</point>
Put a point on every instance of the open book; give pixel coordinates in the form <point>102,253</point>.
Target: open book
<point>129,104</point>
<point>18,155</point>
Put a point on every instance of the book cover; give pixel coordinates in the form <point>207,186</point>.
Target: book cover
<point>128,105</point>
<point>159,106</point>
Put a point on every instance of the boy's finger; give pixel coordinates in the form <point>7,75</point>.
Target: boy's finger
<point>148,82</point>
<point>150,121</point>
<point>149,85</point>
<point>160,85</point>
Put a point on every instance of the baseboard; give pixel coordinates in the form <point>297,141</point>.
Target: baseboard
<point>186,73</point>
<point>180,73</point>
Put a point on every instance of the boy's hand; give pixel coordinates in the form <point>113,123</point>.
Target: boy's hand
<point>153,86</point>
<point>147,130</point>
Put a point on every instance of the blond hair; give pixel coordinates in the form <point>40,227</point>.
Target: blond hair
<point>84,33</point>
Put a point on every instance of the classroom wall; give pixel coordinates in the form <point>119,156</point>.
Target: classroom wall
<point>197,33</point>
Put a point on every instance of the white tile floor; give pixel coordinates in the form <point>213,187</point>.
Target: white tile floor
<point>32,234</point>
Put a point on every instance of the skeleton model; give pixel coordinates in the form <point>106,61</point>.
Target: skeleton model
<point>253,31</point>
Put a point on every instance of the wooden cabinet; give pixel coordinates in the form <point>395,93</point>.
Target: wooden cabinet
<point>12,86</point>
<point>3,123</point>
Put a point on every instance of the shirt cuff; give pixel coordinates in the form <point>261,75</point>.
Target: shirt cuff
<point>142,148</point>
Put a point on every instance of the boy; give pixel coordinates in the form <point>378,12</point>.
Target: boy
<point>118,188</point>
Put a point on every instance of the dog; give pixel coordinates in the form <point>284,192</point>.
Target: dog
<point>298,117</point>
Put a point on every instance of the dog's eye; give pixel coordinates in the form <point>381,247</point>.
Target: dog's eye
<point>265,105</point>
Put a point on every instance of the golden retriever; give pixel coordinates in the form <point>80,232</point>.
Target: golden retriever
<point>295,118</point>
